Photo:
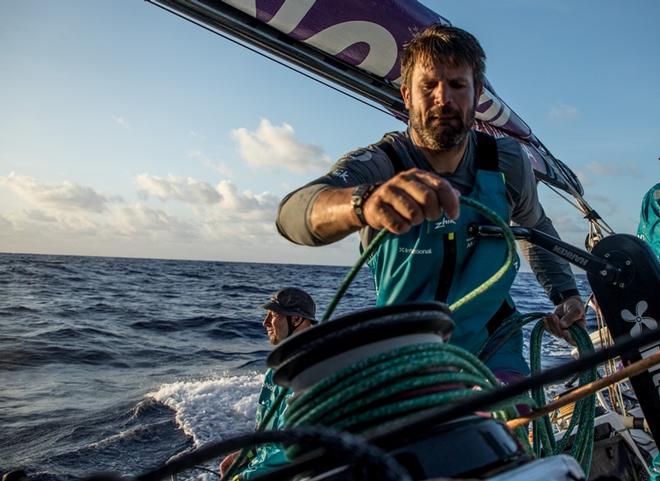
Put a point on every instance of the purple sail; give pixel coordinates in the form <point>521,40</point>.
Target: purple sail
<point>357,44</point>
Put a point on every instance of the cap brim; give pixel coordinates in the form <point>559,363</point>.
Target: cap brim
<point>274,306</point>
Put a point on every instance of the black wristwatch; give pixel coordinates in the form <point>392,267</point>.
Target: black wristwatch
<point>358,197</point>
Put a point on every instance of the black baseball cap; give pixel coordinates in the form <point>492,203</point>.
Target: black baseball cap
<point>292,301</point>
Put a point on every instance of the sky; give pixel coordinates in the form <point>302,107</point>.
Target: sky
<point>127,131</point>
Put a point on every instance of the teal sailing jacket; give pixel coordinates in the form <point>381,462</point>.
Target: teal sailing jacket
<point>440,261</point>
<point>268,456</point>
<point>649,219</point>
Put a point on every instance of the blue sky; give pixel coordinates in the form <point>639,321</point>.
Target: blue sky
<point>127,131</point>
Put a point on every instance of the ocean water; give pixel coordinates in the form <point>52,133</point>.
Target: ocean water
<point>112,364</point>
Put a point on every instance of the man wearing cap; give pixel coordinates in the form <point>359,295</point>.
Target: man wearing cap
<point>288,311</point>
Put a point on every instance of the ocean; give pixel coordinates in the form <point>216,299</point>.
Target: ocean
<point>114,364</point>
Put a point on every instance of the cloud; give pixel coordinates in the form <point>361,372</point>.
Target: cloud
<point>563,112</point>
<point>220,168</point>
<point>5,224</point>
<point>239,225</point>
<point>606,206</point>
<point>139,219</point>
<point>242,215</point>
<point>38,215</point>
<point>612,169</point>
<point>184,189</point>
<point>65,195</point>
<point>121,121</point>
<point>272,147</point>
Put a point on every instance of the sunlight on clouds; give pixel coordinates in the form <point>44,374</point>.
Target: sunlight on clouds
<point>236,204</point>
<point>272,147</point>
<point>65,195</point>
<point>243,216</point>
<point>134,219</point>
<point>220,222</point>
<point>184,189</point>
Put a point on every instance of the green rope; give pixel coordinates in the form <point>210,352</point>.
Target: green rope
<point>584,412</point>
<point>511,250</point>
<point>407,380</point>
<point>373,245</point>
<point>390,387</point>
<point>378,239</point>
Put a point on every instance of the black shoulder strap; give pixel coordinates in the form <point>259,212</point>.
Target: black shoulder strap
<point>487,158</point>
<point>393,155</point>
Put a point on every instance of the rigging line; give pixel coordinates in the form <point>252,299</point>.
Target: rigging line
<point>279,62</point>
<point>582,208</point>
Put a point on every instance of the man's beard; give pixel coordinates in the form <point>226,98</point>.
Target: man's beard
<point>451,133</point>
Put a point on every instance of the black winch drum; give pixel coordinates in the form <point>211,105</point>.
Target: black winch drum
<point>468,446</point>
<point>310,356</point>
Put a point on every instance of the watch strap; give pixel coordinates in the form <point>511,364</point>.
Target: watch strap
<point>358,198</point>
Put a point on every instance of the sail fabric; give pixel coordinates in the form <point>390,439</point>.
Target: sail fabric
<point>358,45</point>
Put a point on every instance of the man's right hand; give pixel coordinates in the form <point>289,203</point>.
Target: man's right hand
<point>409,198</point>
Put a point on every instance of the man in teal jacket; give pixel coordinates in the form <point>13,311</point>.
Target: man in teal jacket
<point>649,219</point>
<point>288,311</point>
<point>409,183</point>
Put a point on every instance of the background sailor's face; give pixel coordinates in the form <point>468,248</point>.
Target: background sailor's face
<point>276,327</point>
<point>441,101</point>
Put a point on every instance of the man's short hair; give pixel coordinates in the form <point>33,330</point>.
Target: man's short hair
<point>447,44</point>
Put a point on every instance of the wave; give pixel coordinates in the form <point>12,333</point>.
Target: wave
<point>37,354</point>
<point>212,409</point>
<point>245,289</point>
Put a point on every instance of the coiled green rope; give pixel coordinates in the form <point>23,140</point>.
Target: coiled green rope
<point>373,391</point>
<point>391,386</point>
<point>584,412</point>
<point>369,393</point>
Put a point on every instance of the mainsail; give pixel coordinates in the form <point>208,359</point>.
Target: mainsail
<point>357,45</point>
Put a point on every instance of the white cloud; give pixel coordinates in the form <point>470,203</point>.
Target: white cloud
<point>240,225</point>
<point>38,215</point>
<point>242,215</point>
<point>121,121</point>
<point>563,112</point>
<point>138,219</point>
<point>219,167</point>
<point>184,189</point>
<point>65,195</point>
<point>272,147</point>
<point>5,224</point>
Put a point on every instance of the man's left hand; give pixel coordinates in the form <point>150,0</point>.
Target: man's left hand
<point>570,311</point>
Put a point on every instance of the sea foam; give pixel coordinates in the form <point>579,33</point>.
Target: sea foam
<point>213,409</point>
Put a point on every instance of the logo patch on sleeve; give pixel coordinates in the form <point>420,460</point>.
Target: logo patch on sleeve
<point>362,155</point>
<point>342,174</point>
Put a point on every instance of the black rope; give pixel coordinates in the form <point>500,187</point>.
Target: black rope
<point>348,447</point>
